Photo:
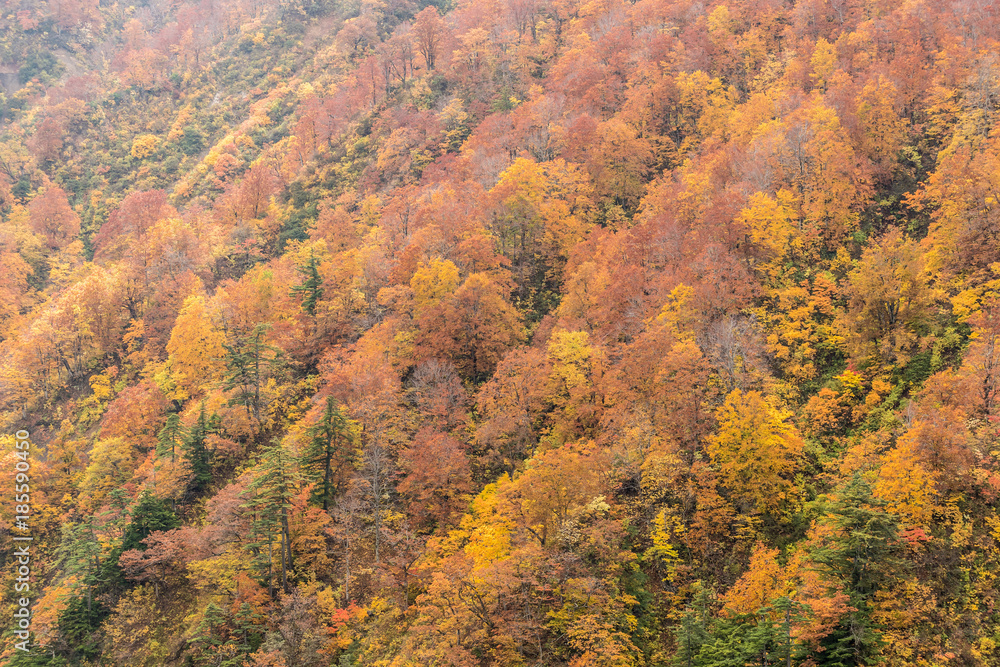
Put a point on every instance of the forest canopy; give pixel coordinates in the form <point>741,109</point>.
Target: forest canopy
<point>483,333</point>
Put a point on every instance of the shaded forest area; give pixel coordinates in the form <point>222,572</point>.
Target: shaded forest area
<point>503,332</point>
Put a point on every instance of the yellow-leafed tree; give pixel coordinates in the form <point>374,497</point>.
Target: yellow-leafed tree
<point>755,451</point>
<point>196,349</point>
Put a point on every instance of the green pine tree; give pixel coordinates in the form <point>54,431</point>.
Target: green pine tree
<point>789,614</point>
<point>80,554</point>
<point>249,625</point>
<point>79,624</point>
<point>249,361</point>
<point>169,437</point>
<point>197,455</point>
<point>268,498</point>
<point>148,516</point>
<point>694,629</point>
<point>311,288</point>
<point>863,558</point>
<point>209,634</point>
<point>331,440</point>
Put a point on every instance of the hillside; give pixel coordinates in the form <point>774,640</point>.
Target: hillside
<point>501,332</point>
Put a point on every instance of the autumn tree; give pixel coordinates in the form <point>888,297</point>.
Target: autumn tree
<point>125,232</point>
<point>962,238</point>
<point>755,450</point>
<point>53,219</point>
<point>983,358</point>
<point>554,484</point>
<point>136,413</point>
<point>376,478</point>
<point>890,302</point>
<point>48,140</point>
<point>136,627</point>
<point>541,211</point>
<point>883,130</point>
<point>656,398</point>
<point>438,478</point>
<point>428,31</point>
<point>432,282</point>
<point>619,163</point>
<point>438,393</point>
<point>815,159</point>
<point>196,349</point>
<point>572,388</point>
<point>511,405</point>
<point>14,286</point>
<point>473,328</point>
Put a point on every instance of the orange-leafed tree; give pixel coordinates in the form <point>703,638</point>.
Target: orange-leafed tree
<point>554,485</point>
<point>438,478</point>
<point>438,393</point>
<point>136,414</point>
<point>126,230</point>
<point>14,288</point>
<point>510,405</point>
<point>983,358</point>
<point>474,328</point>
<point>429,29</point>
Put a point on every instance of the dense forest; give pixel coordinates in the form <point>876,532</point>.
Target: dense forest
<point>501,333</point>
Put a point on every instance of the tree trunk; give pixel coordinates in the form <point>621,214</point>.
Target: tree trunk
<point>286,540</point>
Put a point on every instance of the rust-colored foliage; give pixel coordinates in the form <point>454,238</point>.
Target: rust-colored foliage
<point>503,332</point>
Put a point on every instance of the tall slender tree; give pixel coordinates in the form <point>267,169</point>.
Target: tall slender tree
<point>310,290</point>
<point>329,449</point>
<point>268,498</point>
<point>170,437</point>
<point>196,453</point>
<point>249,361</point>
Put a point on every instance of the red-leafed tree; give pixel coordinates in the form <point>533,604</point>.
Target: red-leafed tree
<point>438,478</point>
<point>474,328</point>
<point>53,219</point>
<point>428,31</point>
